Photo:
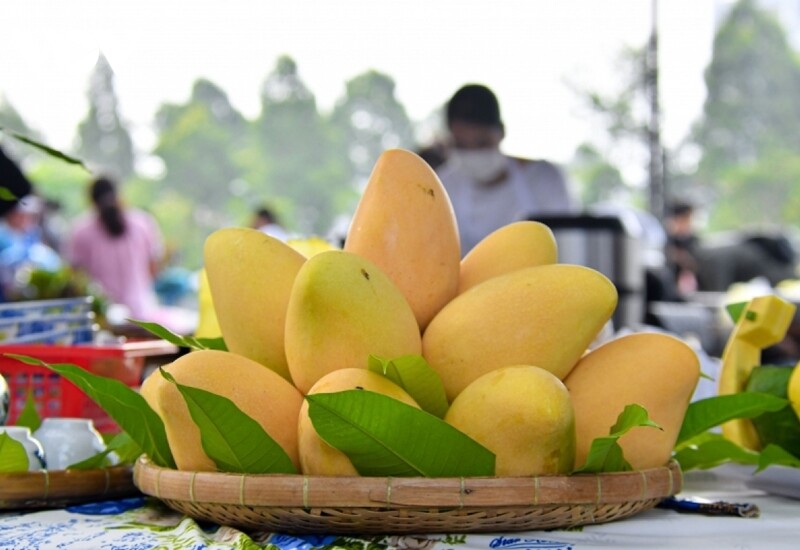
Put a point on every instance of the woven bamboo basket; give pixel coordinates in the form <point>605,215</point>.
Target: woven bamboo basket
<point>57,488</point>
<point>379,505</point>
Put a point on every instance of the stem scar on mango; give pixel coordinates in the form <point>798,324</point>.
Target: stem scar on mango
<point>365,274</point>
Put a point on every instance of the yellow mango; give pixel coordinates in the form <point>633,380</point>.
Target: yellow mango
<point>250,275</point>
<point>511,247</point>
<point>341,310</point>
<point>654,370</point>
<point>260,393</point>
<point>523,414</point>
<point>544,316</point>
<point>316,456</point>
<point>404,224</point>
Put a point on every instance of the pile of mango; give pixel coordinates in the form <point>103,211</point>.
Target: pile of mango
<point>508,329</point>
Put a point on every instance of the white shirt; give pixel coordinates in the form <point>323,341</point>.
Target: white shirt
<point>529,189</point>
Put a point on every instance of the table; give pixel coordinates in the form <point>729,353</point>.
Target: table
<point>140,524</point>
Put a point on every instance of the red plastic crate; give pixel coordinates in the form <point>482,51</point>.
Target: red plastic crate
<point>57,397</point>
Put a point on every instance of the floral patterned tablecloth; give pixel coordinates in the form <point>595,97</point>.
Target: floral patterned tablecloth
<point>144,524</point>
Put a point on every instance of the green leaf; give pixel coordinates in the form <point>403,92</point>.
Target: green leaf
<point>233,440</point>
<point>46,149</point>
<point>385,437</point>
<point>6,194</point>
<point>605,453</point>
<point>29,416</point>
<point>181,341</point>
<point>122,403</point>
<point>735,310</point>
<point>99,460</point>
<point>13,457</point>
<point>417,378</point>
<point>775,455</point>
<point>710,450</point>
<point>708,413</point>
<point>126,448</point>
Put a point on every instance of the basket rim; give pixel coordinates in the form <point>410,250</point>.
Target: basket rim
<point>305,491</point>
<point>44,488</point>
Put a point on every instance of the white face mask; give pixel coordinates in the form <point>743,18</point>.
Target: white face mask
<point>484,165</point>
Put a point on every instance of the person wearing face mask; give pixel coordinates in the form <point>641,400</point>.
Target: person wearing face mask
<point>487,188</point>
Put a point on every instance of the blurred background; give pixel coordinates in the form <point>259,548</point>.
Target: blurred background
<point>205,109</point>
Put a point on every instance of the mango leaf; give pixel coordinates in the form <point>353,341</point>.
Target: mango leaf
<point>233,440</point>
<point>99,460</point>
<point>417,378</point>
<point>775,455</point>
<point>45,148</point>
<point>605,453</point>
<point>127,451</point>
<point>29,416</point>
<point>385,437</point>
<point>122,403</point>
<point>709,450</point>
<point>181,341</point>
<point>13,457</point>
<point>708,413</point>
<point>126,448</point>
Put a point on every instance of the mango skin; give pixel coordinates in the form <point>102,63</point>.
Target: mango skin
<point>404,223</point>
<point>250,275</point>
<point>316,456</point>
<point>654,370</point>
<point>343,309</point>
<point>260,393</point>
<point>544,316</point>
<point>511,247</point>
<point>523,414</point>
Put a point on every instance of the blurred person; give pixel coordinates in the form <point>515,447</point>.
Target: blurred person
<point>22,248</point>
<point>682,246</point>
<point>489,189</point>
<point>120,248</point>
<point>13,183</point>
<point>264,220</point>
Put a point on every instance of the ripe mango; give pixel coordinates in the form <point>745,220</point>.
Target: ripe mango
<point>654,370</point>
<point>544,316</point>
<point>250,275</point>
<point>523,414</point>
<point>260,393</point>
<point>404,224</point>
<point>511,247</point>
<point>343,308</point>
<point>316,456</point>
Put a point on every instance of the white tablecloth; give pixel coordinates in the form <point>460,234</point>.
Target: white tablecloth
<point>139,524</point>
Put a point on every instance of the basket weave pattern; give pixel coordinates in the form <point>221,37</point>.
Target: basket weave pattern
<point>364,505</point>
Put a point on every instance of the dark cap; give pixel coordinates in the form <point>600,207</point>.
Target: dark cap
<point>474,103</point>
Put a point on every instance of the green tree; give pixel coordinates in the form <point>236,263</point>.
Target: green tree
<point>103,140</point>
<point>622,114</point>
<point>370,120</point>
<point>748,132</point>
<point>302,171</point>
<point>198,142</point>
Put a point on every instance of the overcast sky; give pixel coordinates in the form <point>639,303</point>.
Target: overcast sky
<point>526,50</point>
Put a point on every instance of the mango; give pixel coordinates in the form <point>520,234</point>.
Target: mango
<point>316,456</point>
<point>260,393</point>
<point>654,370</point>
<point>523,414</point>
<point>341,310</point>
<point>404,223</point>
<point>250,275</point>
<point>511,247</point>
<point>544,316</point>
